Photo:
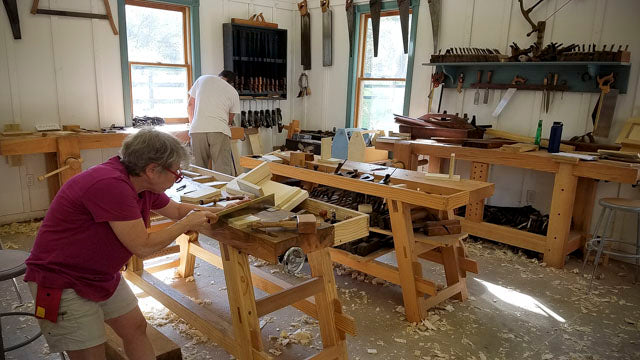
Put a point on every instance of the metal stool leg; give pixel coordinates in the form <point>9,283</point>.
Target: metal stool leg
<point>589,243</point>
<point>15,287</point>
<point>602,240</point>
<point>636,277</point>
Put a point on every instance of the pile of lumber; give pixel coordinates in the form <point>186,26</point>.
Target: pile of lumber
<point>257,182</point>
<point>439,125</point>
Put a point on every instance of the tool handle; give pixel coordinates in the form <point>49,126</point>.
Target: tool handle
<point>284,223</point>
<point>479,76</point>
<point>555,79</point>
<point>605,82</point>
<point>489,76</point>
<point>70,163</point>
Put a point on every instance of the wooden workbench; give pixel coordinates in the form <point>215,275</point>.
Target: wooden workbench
<point>58,146</point>
<point>317,297</point>
<point>406,191</point>
<point>572,201</point>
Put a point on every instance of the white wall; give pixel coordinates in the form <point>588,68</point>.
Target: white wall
<point>67,71</point>
<point>494,24</point>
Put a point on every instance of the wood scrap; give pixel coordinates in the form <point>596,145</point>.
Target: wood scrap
<point>442,227</point>
<point>215,184</point>
<point>203,178</point>
<point>519,147</point>
<point>250,188</point>
<point>205,193</point>
<point>626,156</point>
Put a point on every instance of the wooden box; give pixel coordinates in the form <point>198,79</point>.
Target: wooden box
<point>352,225</point>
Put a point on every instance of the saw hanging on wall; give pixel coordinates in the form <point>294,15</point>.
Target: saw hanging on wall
<point>375,6</point>
<point>403,6</point>
<point>351,21</point>
<point>327,32</point>
<point>305,35</point>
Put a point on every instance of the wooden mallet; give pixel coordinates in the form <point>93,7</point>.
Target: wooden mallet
<point>306,224</point>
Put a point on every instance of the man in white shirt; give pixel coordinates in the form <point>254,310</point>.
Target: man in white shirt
<point>213,103</point>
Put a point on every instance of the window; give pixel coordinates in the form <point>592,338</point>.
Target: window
<point>159,59</point>
<point>380,81</point>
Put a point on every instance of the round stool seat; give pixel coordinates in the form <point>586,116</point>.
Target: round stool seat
<point>621,204</point>
<point>12,263</point>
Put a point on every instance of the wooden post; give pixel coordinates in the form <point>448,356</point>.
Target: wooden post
<point>187,260</point>
<point>452,271</point>
<point>583,207</point>
<point>564,193</point>
<point>242,301</point>
<point>434,164</point>
<point>408,265</point>
<point>68,148</point>
<point>475,210</point>
<point>327,302</point>
<point>402,153</point>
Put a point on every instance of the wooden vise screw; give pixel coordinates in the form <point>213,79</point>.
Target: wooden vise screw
<point>70,163</point>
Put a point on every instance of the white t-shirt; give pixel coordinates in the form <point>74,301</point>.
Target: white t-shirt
<point>215,99</point>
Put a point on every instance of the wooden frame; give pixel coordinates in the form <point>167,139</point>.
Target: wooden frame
<point>409,246</point>
<point>186,38</point>
<point>362,45</point>
<point>572,199</point>
<point>108,16</point>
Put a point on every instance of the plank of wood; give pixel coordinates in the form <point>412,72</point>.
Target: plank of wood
<point>524,139</point>
<point>250,188</point>
<point>203,178</point>
<point>519,147</point>
<point>16,133</point>
<point>200,194</point>
<point>257,175</point>
<point>216,184</point>
<point>301,196</point>
<point>163,347</point>
<point>286,297</point>
<point>355,150</point>
<point>504,234</point>
<point>325,148</point>
<point>256,144</point>
<point>190,174</point>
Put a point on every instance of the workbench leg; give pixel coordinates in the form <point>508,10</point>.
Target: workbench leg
<point>435,164</point>
<point>402,153</point>
<point>327,303</point>
<point>408,265</point>
<point>583,208</point>
<point>564,194</point>
<point>68,147</point>
<point>135,264</point>
<point>475,210</point>
<point>452,271</point>
<point>242,301</point>
<point>53,182</point>
<point>187,260</point>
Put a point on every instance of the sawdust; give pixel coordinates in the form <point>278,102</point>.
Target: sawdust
<point>25,227</point>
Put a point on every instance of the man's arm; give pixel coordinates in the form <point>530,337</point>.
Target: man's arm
<point>231,117</point>
<point>190,107</point>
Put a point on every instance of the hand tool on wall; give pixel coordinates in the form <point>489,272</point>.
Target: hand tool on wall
<point>460,82</point>
<point>351,23</point>
<point>403,7</point>
<point>476,96</point>
<point>545,94</point>
<point>434,11</point>
<point>436,80</point>
<point>327,32</point>
<point>305,35</point>
<point>485,100</point>
<point>305,224</point>
<point>517,80</point>
<point>375,6</point>
<point>602,114</point>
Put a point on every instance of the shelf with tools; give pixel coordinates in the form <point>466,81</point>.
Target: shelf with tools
<point>574,76</point>
<point>258,57</point>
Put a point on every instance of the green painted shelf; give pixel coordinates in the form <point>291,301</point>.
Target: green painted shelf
<point>580,76</point>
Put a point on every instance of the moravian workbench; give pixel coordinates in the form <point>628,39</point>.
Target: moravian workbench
<point>317,297</point>
<point>60,146</point>
<point>572,201</point>
<point>406,191</point>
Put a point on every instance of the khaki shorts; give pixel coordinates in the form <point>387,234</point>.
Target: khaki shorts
<point>80,322</point>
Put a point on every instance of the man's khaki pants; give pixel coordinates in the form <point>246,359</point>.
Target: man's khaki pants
<point>212,146</point>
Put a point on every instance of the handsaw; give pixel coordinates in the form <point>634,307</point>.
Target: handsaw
<point>327,15</point>
<point>517,80</point>
<point>305,35</point>
<point>602,114</point>
<point>403,6</point>
<point>351,23</point>
<point>375,6</point>
<point>434,11</point>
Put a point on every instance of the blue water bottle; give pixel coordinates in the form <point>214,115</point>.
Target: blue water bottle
<point>555,137</point>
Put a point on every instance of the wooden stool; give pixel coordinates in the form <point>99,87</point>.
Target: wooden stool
<point>605,221</point>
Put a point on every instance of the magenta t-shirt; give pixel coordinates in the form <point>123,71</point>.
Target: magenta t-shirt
<point>75,246</point>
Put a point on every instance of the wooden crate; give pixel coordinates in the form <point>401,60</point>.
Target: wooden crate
<point>352,225</point>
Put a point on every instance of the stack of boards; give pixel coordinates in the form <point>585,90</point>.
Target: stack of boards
<point>209,191</point>
<point>258,183</point>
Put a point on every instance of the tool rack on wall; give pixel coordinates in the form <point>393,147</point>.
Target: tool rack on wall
<point>574,76</point>
<point>258,57</point>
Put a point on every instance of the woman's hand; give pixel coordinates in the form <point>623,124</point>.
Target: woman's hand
<point>198,218</point>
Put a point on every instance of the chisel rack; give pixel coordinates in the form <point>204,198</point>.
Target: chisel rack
<point>258,57</point>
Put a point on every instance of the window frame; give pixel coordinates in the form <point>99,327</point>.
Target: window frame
<point>362,53</point>
<point>191,41</point>
<point>356,62</point>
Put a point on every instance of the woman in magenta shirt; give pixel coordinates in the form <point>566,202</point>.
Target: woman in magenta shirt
<point>98,219</point>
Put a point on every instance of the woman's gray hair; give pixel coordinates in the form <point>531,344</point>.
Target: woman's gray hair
<point>149,146</point>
